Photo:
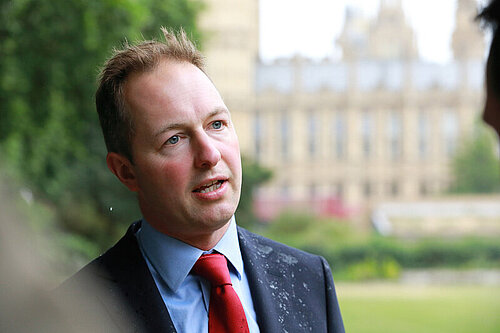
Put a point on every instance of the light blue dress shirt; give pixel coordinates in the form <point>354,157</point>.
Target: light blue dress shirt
<point>185,295</point>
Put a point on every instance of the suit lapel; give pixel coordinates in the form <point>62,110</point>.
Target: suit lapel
<point>262,281</point>
<point>131,283</point>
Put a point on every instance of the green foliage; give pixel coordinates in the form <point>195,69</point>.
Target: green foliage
<point>312,233</point>
<point>50,52</point>
<point>370,269</point>
<point>38,222</point>
<point>253,175</point>
<point>476,167</point>
<point>354,255</point>
<point>462,253</point>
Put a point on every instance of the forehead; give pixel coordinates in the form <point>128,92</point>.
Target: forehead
<point>172,92</point>
<point>163,80</point>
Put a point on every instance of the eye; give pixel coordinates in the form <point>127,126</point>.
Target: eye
<point>173,140</point>
<point>217,124</point>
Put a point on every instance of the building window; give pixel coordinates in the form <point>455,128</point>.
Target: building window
<point>338,190</point>
<point>339,135</point>
<point>367,133</point>
<point>424,188</point>
<point>312,134</point>
<point>367,189</point>
<point>450,132</point>
<point>285,190</point>
<point>393,188</point>
<point>424,134</point>
<point>284,130</point>
<point>313,190</point>
<point>258,136</point>
<point>395,145</point>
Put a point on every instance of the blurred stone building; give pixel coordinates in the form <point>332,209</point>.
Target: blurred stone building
<point>341,136</point>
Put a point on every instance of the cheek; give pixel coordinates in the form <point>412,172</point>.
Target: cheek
<point>234,144</point>
<point>233,153</point>
<point>176,174</point>
<point>175,169</point>
<point>164,176</point>
<point>234,161</point>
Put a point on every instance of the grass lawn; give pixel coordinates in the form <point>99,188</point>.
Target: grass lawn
<point>392,307</point>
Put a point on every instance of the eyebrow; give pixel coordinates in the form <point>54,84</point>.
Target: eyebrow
<point>173,126</point>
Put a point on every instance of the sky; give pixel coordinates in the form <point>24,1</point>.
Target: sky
<point>310,27</point>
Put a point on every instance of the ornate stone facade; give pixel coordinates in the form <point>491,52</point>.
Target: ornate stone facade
<point>341,136</point>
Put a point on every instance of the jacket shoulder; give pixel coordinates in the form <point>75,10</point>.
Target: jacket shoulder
<point>263,245</point>
<point>298,282</point>
<point>119,288</point>
<point>109,264</point>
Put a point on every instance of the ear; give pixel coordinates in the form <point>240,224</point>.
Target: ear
<point>123,169</point>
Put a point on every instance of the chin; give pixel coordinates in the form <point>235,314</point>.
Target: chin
<point>218,220</point>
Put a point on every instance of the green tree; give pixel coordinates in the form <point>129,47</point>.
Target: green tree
<point>50,52</point>
<point>476,167</point>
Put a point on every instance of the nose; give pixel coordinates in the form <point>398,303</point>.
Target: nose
<point>206,153</point>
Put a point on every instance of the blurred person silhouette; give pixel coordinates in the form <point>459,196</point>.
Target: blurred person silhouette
<point>186,266</point>
<point>490,16</point>
<point>26,301</point>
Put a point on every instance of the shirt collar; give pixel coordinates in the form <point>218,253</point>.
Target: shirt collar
<point>174,259</point>
<point>229,246</point>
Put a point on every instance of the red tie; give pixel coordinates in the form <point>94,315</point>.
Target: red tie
<point>225,313</point>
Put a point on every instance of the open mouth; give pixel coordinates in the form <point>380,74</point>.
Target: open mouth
<point>210,187</point>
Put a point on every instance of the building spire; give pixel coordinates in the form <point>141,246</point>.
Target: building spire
<point>467,41</point>
<point>390,35</point>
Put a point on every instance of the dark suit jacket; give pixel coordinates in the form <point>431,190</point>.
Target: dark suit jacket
<point>292,290</point>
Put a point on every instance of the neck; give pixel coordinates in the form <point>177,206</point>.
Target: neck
<point>206,241</point>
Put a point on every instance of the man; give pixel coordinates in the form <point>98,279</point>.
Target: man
<point>170,139</point>
<point>491,115</point>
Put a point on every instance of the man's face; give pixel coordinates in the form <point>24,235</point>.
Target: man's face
<point>491,114</point>
<point>187,165</point>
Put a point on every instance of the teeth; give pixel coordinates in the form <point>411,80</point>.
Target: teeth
<point>213,186</point>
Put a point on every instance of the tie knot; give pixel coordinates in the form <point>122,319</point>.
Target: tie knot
<point>213,267</point>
